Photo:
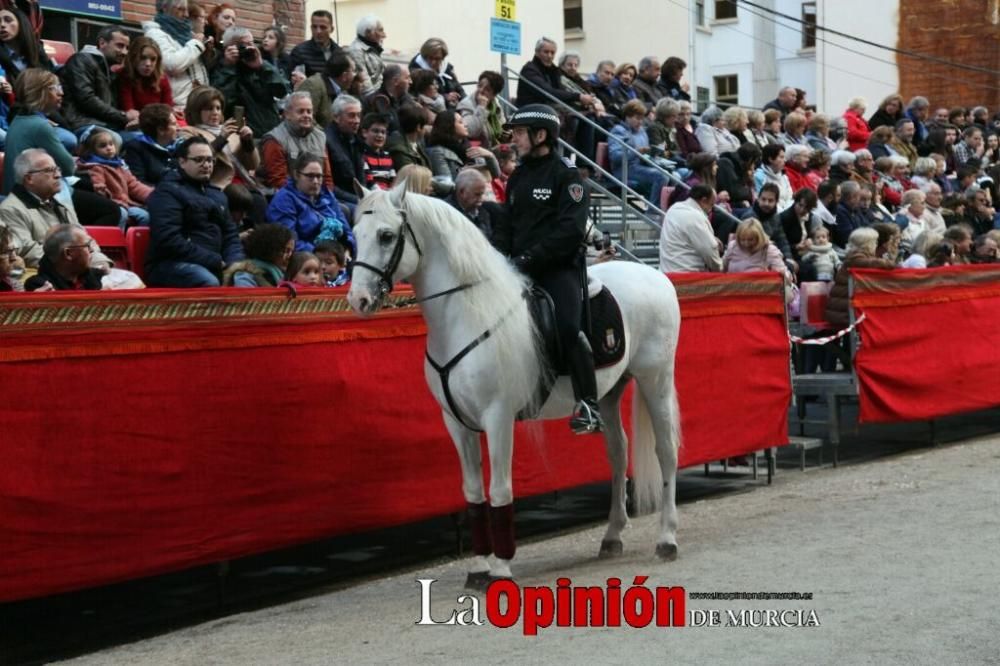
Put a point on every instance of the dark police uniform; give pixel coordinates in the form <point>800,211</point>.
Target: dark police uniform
<point>543,232</point>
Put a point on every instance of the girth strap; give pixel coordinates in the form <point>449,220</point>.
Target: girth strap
<point>444,372</point>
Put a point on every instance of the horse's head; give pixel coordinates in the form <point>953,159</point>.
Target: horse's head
<point>387,248</point>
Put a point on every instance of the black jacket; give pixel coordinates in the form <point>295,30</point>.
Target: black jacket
<point>672,89</point>
<point>880,118</point>
<point>90,94</point>
<point>346,161</point>
<point>548,79</point>
<point>483,219</point>
<point>545,216</point>
<point>776,105</point>
<point>189,221</point>
<point>310,54</point>
<point>253,89</point>
<point>732,178</point>
<point>47,273</point>
<point>791,225</point>
<point>148,162</point>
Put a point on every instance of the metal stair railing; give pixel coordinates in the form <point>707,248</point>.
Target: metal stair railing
<point>626,191</point>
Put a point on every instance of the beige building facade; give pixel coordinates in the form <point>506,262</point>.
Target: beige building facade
<point>598,29</point>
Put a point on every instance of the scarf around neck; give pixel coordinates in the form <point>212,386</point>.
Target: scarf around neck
<point>179,29</point>
<point>214,130</point>
<point>375,46</point>
<point>115,162</point>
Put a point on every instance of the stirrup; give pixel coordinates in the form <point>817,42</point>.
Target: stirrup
<point>586,419</point>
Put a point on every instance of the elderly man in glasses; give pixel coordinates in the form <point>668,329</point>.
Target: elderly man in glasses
<point>192,235</point>
<point>65,265</point>
<point>31,210</point>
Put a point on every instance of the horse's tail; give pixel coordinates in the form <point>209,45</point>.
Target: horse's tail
<point>647,473</point>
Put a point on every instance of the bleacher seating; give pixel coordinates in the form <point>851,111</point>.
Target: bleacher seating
<point>137,243</point>
<point>112,242</point>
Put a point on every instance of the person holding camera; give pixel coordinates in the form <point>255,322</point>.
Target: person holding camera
<point>246,79</point>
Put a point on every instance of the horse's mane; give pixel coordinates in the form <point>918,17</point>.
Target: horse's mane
<point>499,293</point>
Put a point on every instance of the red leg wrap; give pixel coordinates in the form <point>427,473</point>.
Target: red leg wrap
<point>502,528</point>
<point>479,523</point>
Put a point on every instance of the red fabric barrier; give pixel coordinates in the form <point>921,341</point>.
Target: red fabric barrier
<point>151,431</point>
<point>928,341</point>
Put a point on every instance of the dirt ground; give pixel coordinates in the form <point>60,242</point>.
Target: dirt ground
<point>900,554</point>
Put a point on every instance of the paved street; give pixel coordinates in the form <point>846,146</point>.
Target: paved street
<point>900,555</point>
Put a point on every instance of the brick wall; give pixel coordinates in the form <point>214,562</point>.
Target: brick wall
<point>253,15</point>
<point>963,31</point>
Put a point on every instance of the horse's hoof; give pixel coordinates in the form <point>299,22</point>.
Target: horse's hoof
<point>666,551</point>
<point>610,548</point>
<point>478,580</point>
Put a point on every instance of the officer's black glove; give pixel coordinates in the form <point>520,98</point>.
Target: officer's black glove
<point>522,262</point>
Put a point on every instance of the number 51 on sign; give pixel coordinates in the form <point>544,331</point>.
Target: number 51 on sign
<point>505,9</point>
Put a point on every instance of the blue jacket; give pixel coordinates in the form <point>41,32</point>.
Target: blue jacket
<point>847,221</point>
<point>189,221</point>
<point>306,217</point>
<point>616,152</point>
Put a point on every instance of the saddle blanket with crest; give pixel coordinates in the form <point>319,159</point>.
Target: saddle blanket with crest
<point>606,333</point>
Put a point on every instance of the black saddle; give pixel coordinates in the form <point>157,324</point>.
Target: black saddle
<point>606,332</point>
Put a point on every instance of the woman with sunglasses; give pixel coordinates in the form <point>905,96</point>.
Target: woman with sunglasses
<point>309,208</point>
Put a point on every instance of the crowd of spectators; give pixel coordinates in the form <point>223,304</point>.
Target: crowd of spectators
<point>208,134</point>
<point>217,139</point>
<point>814,180</point>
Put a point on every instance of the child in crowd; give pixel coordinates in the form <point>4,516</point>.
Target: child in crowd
<point>333,259</point>
<point>822,255</point>
<point>417,178</point>
<point>142,80</point>
<point>751,250</point>
<point>304,270</point>
<point>508,162</point>
<point>240,207</point>
<point>112,178</point>
<point>378,162</point>
<point>941,254</point>
<point>269,248</point>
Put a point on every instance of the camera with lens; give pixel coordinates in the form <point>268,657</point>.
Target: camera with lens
<point>247,53</point>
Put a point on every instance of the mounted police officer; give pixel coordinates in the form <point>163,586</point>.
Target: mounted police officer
<point>543,232</point>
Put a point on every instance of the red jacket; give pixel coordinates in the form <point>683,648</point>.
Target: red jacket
<point>797,179</point>
<point>134,95</point>
<point>117,183</point>
<point>857,131</point>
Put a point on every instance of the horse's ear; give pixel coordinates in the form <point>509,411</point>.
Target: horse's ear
<point>397,195</point>
<point>360,190</point>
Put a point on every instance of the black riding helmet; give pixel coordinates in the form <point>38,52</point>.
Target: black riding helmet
<point>536,116</point>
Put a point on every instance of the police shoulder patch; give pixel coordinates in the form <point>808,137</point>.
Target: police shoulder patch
<point>576,192</point>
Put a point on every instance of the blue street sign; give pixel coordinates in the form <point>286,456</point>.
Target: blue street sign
<point>103,8</point>
<point>505,36</point>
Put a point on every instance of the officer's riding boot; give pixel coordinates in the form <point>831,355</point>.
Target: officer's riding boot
<point>586,418</point>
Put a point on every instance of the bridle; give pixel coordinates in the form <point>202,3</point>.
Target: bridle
<point>385,274</point>
<point>385,284</point>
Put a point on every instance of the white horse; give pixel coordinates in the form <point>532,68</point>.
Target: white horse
<point>466,289</point>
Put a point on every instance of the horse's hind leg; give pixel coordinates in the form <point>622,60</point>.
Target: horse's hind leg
<point>477,510</point>
<point>617,446</point>
<point>660,397</point>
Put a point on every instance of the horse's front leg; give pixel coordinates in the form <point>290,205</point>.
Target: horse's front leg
<point>500,440</point>
<point>477,510</point>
